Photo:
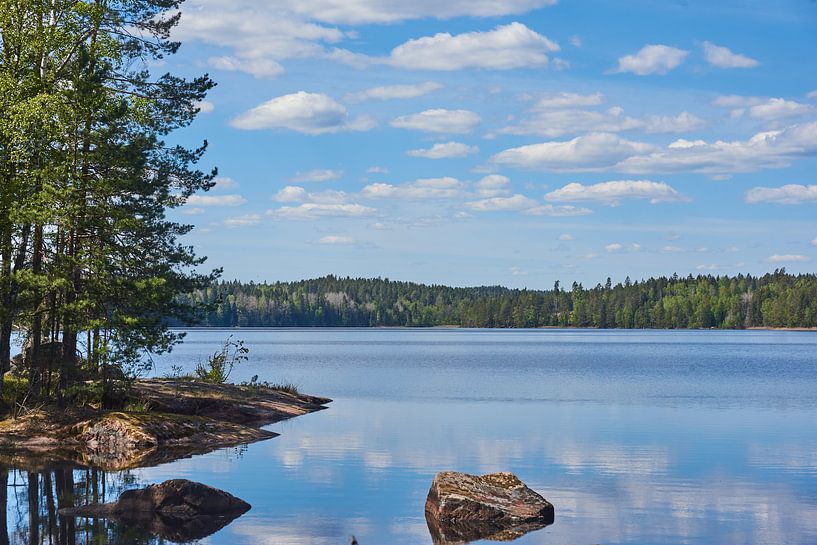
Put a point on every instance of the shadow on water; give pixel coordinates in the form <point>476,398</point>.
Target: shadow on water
<point>32,499</point>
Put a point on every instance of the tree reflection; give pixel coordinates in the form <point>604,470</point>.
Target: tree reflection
<point>33,497</point>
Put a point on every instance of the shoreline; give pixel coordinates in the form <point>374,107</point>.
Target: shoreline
<point>546,327</point>
<point>182,419</point>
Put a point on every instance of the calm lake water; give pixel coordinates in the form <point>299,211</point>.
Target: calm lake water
<point>648,437</point>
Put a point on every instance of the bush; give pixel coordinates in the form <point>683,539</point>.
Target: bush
<point>218,367</point>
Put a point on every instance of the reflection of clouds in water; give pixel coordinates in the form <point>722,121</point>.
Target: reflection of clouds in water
<point>314,530</point>
<point>613,459</point>
<point>798,458</point>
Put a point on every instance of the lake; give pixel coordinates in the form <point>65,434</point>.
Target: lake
<point>648,437</point>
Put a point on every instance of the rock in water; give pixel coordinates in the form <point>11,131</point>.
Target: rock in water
<point>178,510</point>
<point>498,506</point>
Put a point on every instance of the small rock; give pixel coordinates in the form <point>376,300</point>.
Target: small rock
<point>498,506</point>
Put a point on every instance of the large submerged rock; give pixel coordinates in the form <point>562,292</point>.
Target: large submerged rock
<point>462,508</point>
<point>177,510</point>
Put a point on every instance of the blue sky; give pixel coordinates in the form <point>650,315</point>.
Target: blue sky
<point>510,142</point>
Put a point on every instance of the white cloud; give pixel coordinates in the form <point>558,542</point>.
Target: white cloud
<point>493,185</point>
<point>607,152</point>
<point>613,192</point>
<point>439,121</point>
<point>291,193</point>
<point>192,211</point>
<point>576,40</point>
<point>516,271</point>
<point>377,170</point>
<point>671,249</point>
<point>814,242</point>
<point>243,221</point>
<point>503,48</point>
<point>336,240</point>
<point>446,150</point>
<point>205,106</point>
<point>778,108</point>
<point>682,122</point>
<point>652,59</point>
<point>736,101</point>
<point>787,194</point>
<point>614,247</point>
<point>390,11</point>
<point>216,200</point>
<point>812,95</point>
<point>787,258</point>
<point>317,210</point>
<point>569,100</point>
<point>562,122</point>
<point>298,194</point>
<point>389,92</point>
<point>260,68</point>
<point>566,237</point>
<point>424,188</point>
<point>224,182</point>
<point>584,153</point>
<point>723,57</point>
<point>501,204</point>
<point>317,175</point>
<point>309,113</point>
<point>558,211</point>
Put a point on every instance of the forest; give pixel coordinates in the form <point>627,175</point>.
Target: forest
<point>776,299</point>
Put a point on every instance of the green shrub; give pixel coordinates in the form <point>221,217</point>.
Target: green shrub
<point>220,365</point>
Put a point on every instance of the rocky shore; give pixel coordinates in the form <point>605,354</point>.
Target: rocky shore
<point>180,419</point>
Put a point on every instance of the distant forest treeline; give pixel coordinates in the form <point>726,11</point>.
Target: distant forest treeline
<point>774,300</point>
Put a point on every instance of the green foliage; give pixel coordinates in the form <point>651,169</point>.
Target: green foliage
<point>219,366</point>
<point>773,300</point>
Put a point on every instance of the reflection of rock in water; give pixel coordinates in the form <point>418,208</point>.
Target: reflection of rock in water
<point>498,507</point>
<point>176,510</point>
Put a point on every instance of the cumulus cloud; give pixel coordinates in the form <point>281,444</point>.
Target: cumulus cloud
<point>594,151</point>
<point>500,204</point>
<point>243,221</point>
<point>439,121</point>
<point>318,210</point>
<point>607,152</point>
<point>260,68</point>
<point>652,59</point>
<point>614,247</point>
<point>336,240</point>
<point>224,182</point>
<point>205,106</point>
<point>377,170</point>
<point>569,100</point>
<point>308,113</point>
<point>553,123</point>
<point>389,92</point>
<point>787,258</point>
<point>424,188</point>
<point>317,175</point>
<point>446,150</point>
<point>493,185</point>
<point>293,193</point>
<point>814,242</point>
<point>558,211</point>
<point>390,11</point>
<point>216,200</point>
<point>779,108</point>
<point>615,191</point>
<point>565,237</point>
<point>516,271</point>
<point>787,194</point>
<point>723,57</point>
<point>503,48</point>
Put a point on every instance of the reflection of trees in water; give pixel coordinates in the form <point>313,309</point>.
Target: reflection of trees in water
<point>32,500</point>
